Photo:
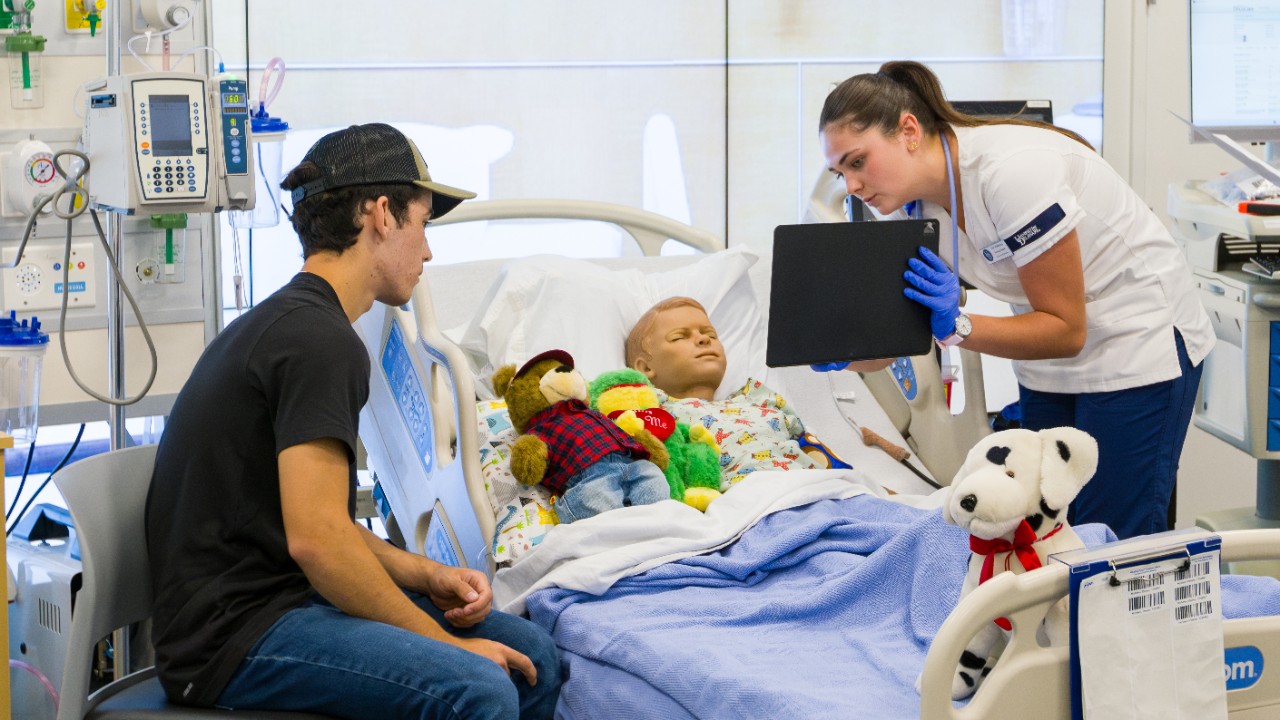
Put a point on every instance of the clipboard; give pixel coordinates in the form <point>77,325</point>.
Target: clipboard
<point>836,292</point>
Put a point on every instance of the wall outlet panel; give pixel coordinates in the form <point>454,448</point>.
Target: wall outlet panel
<point>37,284</point>
<point>76,19</point>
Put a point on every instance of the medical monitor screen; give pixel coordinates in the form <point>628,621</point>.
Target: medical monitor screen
<point>170,126</point>
<point>1235,68</point>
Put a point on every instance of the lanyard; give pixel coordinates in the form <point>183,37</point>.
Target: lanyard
<point>916,209</point>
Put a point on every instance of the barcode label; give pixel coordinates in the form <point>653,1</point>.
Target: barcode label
<point>1141,584</point>
<point>1193,611</point>
<point>1191,591</point>
<point>1145,603</point>
<point>1197,568</point>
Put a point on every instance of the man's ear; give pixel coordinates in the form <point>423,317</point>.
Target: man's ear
<point>383,222</point>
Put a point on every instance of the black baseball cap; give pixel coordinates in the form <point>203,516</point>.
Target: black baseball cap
<point>374,154</point>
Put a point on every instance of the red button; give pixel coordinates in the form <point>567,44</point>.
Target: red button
<point>80,265</point>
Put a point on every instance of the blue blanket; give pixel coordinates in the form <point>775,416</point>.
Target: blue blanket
<point>821,611</point>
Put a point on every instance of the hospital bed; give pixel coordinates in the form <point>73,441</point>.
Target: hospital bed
<point>424,431</point>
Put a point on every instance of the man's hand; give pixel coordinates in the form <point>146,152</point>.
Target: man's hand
<point>463,594</point>
<point>507,658</point>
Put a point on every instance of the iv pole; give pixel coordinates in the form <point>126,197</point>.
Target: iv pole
<point>115,299</point>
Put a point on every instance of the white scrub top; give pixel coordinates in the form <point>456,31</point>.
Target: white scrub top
<point>1024,188</point>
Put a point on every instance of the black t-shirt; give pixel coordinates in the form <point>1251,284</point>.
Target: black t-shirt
<point>290,371</point>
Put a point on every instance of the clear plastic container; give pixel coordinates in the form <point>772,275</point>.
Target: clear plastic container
<point>26,86</point>
<point>22,347</point>
<point>268,148</point>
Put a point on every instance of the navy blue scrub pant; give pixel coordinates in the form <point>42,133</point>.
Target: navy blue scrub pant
<point>1140,432</point>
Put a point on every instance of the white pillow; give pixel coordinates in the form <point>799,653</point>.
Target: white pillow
<point>545,302</point>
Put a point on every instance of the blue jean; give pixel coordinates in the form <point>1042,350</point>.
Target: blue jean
<point>317,658</point>
<point>1140,432</point>
<point>614,481</point>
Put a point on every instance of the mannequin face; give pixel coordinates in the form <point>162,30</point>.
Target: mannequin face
<point>875,167</point>
<point>683,354</point>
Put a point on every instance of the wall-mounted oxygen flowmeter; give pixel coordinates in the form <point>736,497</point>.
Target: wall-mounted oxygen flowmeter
<point>163,143</point>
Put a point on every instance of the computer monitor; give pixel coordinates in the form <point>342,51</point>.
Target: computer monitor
<point>1235,69</point>
<point>1041,110</point>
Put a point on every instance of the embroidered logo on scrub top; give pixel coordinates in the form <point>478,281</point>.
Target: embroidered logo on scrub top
<point>1028,234</point>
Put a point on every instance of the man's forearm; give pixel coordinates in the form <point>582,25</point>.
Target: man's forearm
<point>406,569</point>
<point>352,576</point>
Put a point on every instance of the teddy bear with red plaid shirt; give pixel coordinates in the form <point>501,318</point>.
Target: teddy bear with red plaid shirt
<point>588,463</point>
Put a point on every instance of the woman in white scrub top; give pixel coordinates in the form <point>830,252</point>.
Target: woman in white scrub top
<point>1108,334</point>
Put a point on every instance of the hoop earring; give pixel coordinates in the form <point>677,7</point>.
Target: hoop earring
<point>913,146</point>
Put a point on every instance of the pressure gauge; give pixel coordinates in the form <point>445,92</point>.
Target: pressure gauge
<point>40,173</point>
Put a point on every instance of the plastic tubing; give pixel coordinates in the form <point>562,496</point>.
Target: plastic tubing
<point>275,65</point>
<point>48,686</point>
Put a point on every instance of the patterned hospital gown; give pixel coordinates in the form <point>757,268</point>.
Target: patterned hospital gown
<point>755,428</point>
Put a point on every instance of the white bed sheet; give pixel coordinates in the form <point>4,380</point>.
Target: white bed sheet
<point>591,555</point>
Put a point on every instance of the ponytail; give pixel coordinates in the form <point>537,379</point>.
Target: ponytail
<point>879,99</point>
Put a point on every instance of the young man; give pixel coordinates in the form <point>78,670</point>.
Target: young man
<point>268,594</point>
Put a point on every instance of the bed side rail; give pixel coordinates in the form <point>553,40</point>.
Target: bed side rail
<point>1032,681</point>
<point>453,407</point>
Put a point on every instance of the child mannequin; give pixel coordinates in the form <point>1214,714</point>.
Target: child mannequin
<point>675,345</point>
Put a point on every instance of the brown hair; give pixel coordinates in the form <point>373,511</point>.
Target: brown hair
<point>331,220</point>
<point>878,100</point>
<point>636,346</point>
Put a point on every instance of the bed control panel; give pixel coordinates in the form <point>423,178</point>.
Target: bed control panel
<point>904,373</point>
<point>407,391</point>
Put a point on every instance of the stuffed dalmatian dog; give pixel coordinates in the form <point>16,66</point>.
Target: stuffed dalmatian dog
<point>1012,494</point>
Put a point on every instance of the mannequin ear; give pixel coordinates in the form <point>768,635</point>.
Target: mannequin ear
<point>642,364</point>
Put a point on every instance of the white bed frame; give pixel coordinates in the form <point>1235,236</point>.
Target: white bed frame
<point>1029,680</point>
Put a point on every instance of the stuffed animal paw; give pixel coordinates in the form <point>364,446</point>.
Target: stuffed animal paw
<point>700,434</point>
<point>630,423</point>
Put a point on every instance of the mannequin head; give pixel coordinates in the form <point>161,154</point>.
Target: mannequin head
<point>677,348</point>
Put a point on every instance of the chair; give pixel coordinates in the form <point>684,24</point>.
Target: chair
<point>106,495</point>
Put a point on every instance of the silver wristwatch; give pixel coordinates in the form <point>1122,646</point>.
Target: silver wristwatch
<point>964,326</point>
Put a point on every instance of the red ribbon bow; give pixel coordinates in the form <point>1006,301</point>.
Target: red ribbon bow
<point>1023,538</point>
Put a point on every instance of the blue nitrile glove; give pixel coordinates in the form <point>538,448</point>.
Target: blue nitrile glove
<point>829,367</point>
<point>937,288</point>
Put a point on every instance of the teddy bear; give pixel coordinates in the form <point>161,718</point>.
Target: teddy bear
<point>628,397</point>
<point>1012,494</point>
<point>587,462</point>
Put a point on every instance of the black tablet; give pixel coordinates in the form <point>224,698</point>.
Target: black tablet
<point>836,293</point>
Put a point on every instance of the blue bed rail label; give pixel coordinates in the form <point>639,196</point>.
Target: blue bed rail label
<point>406,388</point>
<point>1243,667</point>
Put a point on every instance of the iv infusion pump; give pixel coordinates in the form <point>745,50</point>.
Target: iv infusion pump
<point>169,143</point>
